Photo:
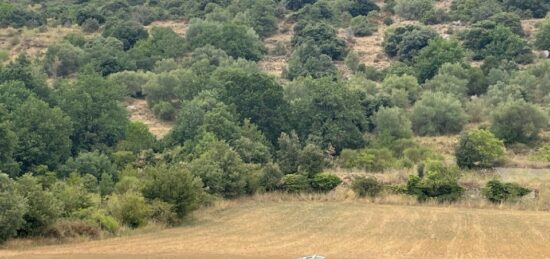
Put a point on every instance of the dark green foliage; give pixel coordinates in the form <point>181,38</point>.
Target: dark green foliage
<point>518,122</point>
<point>325,182</point>
<point>439,182</point>
<point>295,183</point>
<point>174,185</point>
<point>43,135</point>
<point>94,105</point>
<point>93,163</point>
<point>162,43</point>
<point>366,186</point>
<point>328,112</point>
<point>537,8</point>
<point>129,33</point>
<point>8,145</point>
<point>436,114</point>
<point>289,153</point>
<point>497,191</point>
<point>321,35</point>
<point>438,52</point>
<point>43,207</point>
<point>311,160</point>
<point>137,138</point>
<point>405,42</point>
<point>362,7</point>
<point>17,17</point>
<point>252,146</point>
<point>256,96</point>
<point>297,4</point>
<point>13,206</point>
<point>91,25</point>
<point>237,41</point>
<point>474,10</point>
<point>83,15</point>
<point>63,59</point>
<point>271,177</point>
<point>413,9</point>
<point>21,70</point>
<point>307,60</point>
<point>360,26</point>
<point>478,148</point>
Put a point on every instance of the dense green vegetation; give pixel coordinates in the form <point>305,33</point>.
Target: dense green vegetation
<point>71,158</point>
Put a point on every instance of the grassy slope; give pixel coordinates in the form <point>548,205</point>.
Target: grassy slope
<point>354,229</point>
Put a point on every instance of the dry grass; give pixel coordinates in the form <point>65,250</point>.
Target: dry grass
<point>265,227</point>
<point>139,111</point>
<point>178,26</point>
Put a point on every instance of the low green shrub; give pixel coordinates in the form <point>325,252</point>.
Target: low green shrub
<point>497,191</point>
<point>295,183</point>
<point>325,182</point>
<point>366,186</point>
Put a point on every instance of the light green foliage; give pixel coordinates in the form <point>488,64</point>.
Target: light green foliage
<point>13,206</point>
<point>518,122</point>
<point>325,182</point>
<point>93,163</point>
<point>63,59</point>
<point>371,160</point>
<point>439,182</point>
<point>478,148</point>
<point>129,208</point>
<point>307,60</point>
<point>366,186</point>
<point>413,9</point>
<point>361,26</point>
<point>72,194</point>
<point>406,84</point>
<point>353,61</point>
<point>174,185</point>
<point>132,81</point>
<point>295,183</point>
<point>8,145</point>
<point>497,192</point>
<point>43,207</point>
<point>392,122</point>
<point>437,114</point>
<point>542,37</point>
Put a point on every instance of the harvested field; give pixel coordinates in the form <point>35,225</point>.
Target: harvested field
<point>353,229</point>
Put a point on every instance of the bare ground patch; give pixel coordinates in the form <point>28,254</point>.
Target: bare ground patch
<point>139,111</point>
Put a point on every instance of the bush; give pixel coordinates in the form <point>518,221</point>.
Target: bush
<point>439,182</point>
<point>392,122</point>
<point>497,191</point>
<point>518,122</point>
<point>437,114</point>
<point>438,52</point>
<point>295,183</point>
<point>90,25</point>
<point>325,182</point>
<point>321,35</point>
<point>360,26</point>
<point>129,33</point>
<point>404,42</point>
<point>542,37</point>
<point>137,138</point>
<point>129,208</point>
<point>105,221</point>
<point>478,148</point>
<point>413,9</point>
<point>307,60</point>
<point>362,7</point>
<point>93,163</point>
<point>63,59</point>
<point>372,160</point>
<point>71,228</point>
<point>43,207</point>
<point>366,186</point>
<point>13,206</point>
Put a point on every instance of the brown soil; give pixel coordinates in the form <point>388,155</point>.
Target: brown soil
<point>139,111</point>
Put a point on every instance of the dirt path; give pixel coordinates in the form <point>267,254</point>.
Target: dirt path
<point>334,229</point>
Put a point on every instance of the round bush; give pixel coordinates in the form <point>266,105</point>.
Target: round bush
<point>437,114</point>
<point>518,122</point>
<point>478,148</point>
<point>364,186</point>
<point>295,183</point>
<point>325,182</point>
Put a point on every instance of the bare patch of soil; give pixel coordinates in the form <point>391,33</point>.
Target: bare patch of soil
<point>139,111</point>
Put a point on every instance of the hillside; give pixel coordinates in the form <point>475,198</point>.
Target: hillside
<point>270,229</point>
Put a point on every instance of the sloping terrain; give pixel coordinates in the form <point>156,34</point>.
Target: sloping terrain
<point>355,229</point>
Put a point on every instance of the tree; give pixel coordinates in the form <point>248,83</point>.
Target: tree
<point>129,33</point>
<point>406,84</point>
<point>392,122</point>
<point>43,134</point>
<point>437,113</point>
<point>238,41</point>
<point>174,185</point>
<point>137,138</point>
<point>478,148</point>
<point>252,146</point>
<point>405,42</point>
<point>132,81</point>
<point>538,8</point>
<point>439,182</point>
<point>307,60</point>
<point>21,70</point>
<point>163,43</point>
<point>311,160</point>
<point>43,207</point>
<point>13,207</point>
<point>298,4</point>
<point>413,9</point>
<point>8,145</point>
<point>542,37</point>
<point>63,59</point>
<point>289,152</point>
<point>256,96</point>
<point>474,10</point>
<point>362,7</point>
<point>438,52</point>
<point>93,163</point>
<point>94,105</point>
<point>321,35</point>
<point>518,122</point>
<point>130,208</point>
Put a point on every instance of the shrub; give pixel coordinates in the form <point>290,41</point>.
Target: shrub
<point>132,81</point>
<point>362,7</point>
<point>129,208</point>
<point>439,182</point>
<point>105,221</point>
<point>413,9</point>
<point>436,114</point>
<point>325,182</point>
<point>366,186</point>
<point>13,206</point>
<point>478,148</point>
<point>497,191</point>
<point>43,207</point>
<point>91,25</point>
<point>360,26</point>
<point>307,60</point>
<point>321,35</point>
<point>295,183</point>
<point>71,228</point>
<point>542,37</point>
<point>93,163</point>
<point>404,42</point>
<point>374,160</point>
<point>392,122</point>
<point>63,59</point>
<point>352,61</point>
<point>438,52</point>
<point>518,122</point>
<point>137,138</point>
<point>311,160</point>
<point>129,33</point>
